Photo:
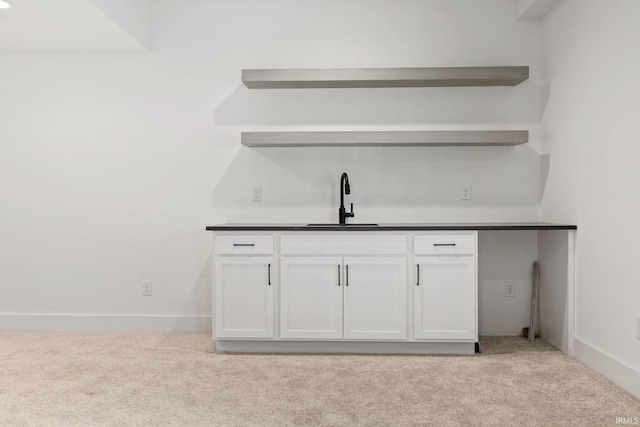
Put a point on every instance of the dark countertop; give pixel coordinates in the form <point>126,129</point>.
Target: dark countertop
<point>394,227</point>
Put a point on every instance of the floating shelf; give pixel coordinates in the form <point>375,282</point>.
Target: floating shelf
<point>384,77</point>
<point>385,138</point>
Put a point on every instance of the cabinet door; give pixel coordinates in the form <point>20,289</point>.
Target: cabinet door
<point>375,298</point>
<point>445,298</point>
<point>311,297</point>
<point>244,297</point>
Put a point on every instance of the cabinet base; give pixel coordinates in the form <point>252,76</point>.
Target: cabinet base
<point>237,346</point>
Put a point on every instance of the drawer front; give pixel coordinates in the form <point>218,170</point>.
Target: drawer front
<point>244,245</point>
<point>444,244</point>
<point>348,244</point>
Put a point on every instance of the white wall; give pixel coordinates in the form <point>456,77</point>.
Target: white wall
<point>134,16</point>
<point>590,132</point>
<point>111,165</point>
<point>73,26</point>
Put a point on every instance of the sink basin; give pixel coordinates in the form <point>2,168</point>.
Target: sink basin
<point>343,225</point>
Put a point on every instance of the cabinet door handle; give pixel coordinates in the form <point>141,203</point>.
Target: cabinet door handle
<point>338,274</point>
<point>418,275</point>
<point>269,274</point>
<point>347,281</point>
<point>244,244</point>
<point>444,244</point>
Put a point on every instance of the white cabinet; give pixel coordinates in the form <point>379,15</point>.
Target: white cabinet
<point>343,298</point>
<point>444,298</point>
<point>244,297</point>
<point>311,298</point>
<point>346,291</point>
<point>445,287</point>
<point>375,298</point>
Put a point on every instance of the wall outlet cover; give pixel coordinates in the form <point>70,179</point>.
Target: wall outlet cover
<point>256,194</point>
<point>147,288</point>
<point>510,288</point>
<point>465,192</point>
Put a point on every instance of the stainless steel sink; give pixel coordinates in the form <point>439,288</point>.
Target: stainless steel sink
<point>343,225</point>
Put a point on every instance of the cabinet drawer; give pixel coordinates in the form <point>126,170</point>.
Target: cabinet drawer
<point>444,244</point>
<point>244,245</point>
<point>348,244</point>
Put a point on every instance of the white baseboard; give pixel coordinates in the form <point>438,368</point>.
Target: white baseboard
<point>619,372</point>
<point>103,323</point>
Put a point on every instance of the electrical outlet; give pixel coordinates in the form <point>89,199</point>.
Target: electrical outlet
<point>510,288</point>
<point>146,288</point>
<point>256,194</point>
<point>465,192</point>
<point>638,328</point>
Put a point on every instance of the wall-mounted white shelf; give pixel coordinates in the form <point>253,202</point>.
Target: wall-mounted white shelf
<point>384,77</point>
<point>386,138</point>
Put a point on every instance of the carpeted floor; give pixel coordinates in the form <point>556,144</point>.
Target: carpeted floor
<point>72,379</point>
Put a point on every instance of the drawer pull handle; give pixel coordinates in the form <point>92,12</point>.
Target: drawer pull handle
<point>418,275</point>
<point>269,274</point>
<point>244,244</point>
<point>444,244</point>
<point>338,274</point>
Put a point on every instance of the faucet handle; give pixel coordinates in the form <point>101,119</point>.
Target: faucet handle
<point>351,214</point>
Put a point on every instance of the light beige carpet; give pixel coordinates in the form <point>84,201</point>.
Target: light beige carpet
<point>56,379</point>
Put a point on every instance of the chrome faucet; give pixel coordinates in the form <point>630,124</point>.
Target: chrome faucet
<point>344,189</point>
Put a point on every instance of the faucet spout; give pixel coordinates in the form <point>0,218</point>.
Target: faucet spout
<point>344,189</point>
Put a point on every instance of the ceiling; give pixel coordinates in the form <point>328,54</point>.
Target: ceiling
<point>115,25</point>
